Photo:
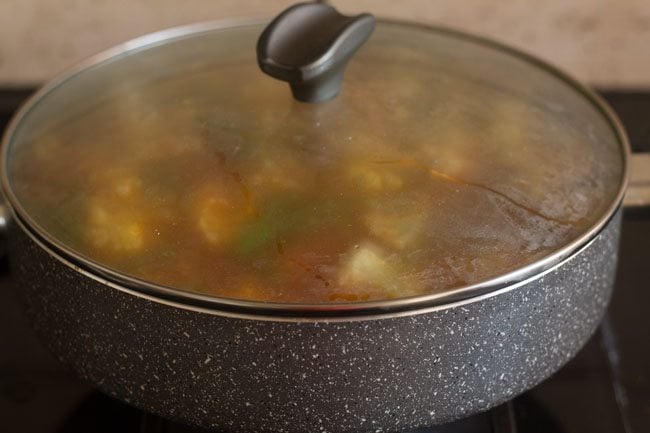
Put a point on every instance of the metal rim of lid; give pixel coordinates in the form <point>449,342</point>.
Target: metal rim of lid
<point>335,312</point>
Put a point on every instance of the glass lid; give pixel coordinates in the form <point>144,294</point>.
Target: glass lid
<point>445,161</point>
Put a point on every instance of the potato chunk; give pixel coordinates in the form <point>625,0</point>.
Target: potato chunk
<point>366,266</point>
<point>222,210</point>
<point>369,274</point>
<point>219,220</point>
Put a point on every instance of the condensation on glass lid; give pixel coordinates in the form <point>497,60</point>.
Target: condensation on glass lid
<point>441,164</point>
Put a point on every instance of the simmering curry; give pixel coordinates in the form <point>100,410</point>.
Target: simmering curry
<point>217,181</point>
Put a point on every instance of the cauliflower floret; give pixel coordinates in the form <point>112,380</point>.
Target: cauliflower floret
<point>116,221</point>
<point>117,231</point>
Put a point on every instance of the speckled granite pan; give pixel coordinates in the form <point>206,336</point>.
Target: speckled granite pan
<point>372,375</point>
<point>378,366</point>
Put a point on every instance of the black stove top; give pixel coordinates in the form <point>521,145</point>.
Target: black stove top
<point>605,389</point>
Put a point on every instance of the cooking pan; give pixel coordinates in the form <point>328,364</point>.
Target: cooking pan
<point>238,365</point>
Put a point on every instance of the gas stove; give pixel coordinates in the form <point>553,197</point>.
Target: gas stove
<point>604,389</point>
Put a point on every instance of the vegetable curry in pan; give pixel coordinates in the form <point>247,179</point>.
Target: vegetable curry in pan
<point>409,182</point>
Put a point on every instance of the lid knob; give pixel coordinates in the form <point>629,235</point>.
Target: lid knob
<point>309,45</point>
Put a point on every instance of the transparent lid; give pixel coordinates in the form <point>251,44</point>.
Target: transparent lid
<point>445,161</point>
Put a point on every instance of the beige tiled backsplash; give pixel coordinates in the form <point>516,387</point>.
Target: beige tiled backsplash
<point>603,42</point>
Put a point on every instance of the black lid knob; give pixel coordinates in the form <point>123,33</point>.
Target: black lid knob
<point>309,45</point>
